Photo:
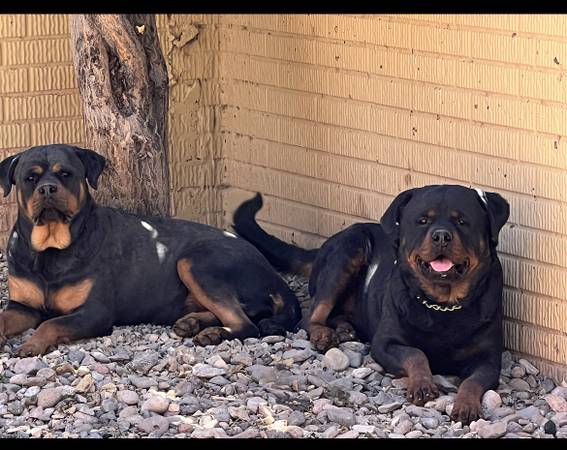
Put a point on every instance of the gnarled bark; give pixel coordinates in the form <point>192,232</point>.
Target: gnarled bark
<point>123,83</point>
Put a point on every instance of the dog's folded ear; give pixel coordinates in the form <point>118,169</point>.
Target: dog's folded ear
<point>7,167</point>
<point>498,212</point>
<point>93,162</point>
<point>390,221</point>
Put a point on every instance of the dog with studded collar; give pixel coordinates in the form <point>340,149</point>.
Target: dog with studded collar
<point>424,286</point>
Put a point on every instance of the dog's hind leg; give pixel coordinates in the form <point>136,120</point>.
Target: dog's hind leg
<point>286,313</point>
<point>192,323</point>
<point>337,267</point>
<point>218,298</point>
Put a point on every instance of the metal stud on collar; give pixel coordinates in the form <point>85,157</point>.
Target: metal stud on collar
<point>438,307</point>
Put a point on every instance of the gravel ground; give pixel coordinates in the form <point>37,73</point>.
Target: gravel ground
<point>145,381</point>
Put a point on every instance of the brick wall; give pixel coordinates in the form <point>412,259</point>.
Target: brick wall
<point>330,116</point>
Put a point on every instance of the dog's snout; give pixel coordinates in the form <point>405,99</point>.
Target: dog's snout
<point>441,237</point>
<point>47,189</point>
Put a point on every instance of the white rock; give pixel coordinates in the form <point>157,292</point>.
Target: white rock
<point>361,372</point>
<point>336,360</point>
<point>206,371</point>
<point>491,400</point>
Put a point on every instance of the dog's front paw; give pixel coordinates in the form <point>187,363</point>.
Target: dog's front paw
<point>32,347</point>
<point>323,338</point>
<point>421,391</point>
<point>186,327</point>
<point>211,336</point>
<point>466,410</point>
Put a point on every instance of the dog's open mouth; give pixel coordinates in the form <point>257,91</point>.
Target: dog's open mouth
<point>443,267</point>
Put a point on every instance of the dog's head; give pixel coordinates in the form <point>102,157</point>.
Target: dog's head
<point>51,189</point>
<point>445,236</point>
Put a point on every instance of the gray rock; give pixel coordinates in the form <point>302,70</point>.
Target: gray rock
<point>127,396</point>
<point>100,357</point>
<point>429,422</point>
<point>241,358</point>
<point>530,368</point>
<point>342,416</point>
<point>518,371</point>
<point>208,433</point>
<point>50,397</point>
<point>330,432</point>
<point>336,360</point>
<point>414,434</point>
<point>253,402</point>
<point>296,418</point>
<point>547,385</point>
<point>560,391</point>
<point>76,356</point>
<point>351,434</point>
<point>399,383</point>
<point>273,339</point>
<point>419,411</point>
<point>262,374</point>
<point>144,363</point>
<point>156,425</point>
<point>32,391</point>
<point>142,382</point>
<point>532,414</point>
<point>403,427</point>
<point>518,384</point>
<point>16,407</point>
<point>298,355</point>
<point>354,358</point>
<point>492,430</point>
<point>219,381</point>
<point>206,371</point>
<point>389,407</point>
<point>46,373</point>
<point>560,419</point>
<point>29,366</point>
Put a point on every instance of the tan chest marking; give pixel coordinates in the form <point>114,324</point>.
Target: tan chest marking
<point>71,296</point>
<point>63,300</point>
<point>52,234</point>
<point>25,291</point>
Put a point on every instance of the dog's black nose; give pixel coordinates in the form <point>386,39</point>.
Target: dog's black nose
<point>441,237</point>
<point>47,189</point>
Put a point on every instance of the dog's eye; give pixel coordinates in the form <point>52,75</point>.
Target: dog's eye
<point>461,221</point>
<point>423,220</point>
<point>32,178</point>
<point>64,174</point>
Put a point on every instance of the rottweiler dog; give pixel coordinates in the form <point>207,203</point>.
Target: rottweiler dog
<point>76,269</point>
<point>424,286</point>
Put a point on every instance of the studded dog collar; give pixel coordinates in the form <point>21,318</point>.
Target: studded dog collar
<point>436,307</point>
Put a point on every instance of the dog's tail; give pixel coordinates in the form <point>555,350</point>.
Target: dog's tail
<point>283,256</point>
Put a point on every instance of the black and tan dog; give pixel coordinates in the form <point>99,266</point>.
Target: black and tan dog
<point>424,286</point>
<point>76,269</point>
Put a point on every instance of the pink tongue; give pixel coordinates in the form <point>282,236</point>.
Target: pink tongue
<point>441,265</point>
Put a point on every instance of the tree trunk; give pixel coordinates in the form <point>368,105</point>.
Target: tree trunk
<point>123,83</point>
